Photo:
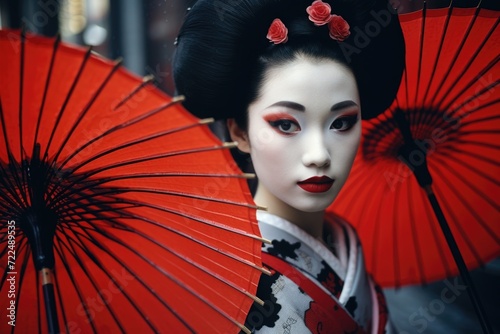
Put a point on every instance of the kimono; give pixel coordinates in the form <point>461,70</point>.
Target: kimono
<point>315,287</point>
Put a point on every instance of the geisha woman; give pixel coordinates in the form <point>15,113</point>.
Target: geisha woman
<point>293,79</point>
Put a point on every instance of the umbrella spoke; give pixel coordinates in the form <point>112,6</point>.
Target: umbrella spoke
<point>147,80</point>
<point>21,91</point>
<point>454,58</point>
<point>81,115</point>
<point>80,178</point>
<point>63,109</point>
<point>421,51</point>
<point>473,98</point>
<point>70,247</point>
<point>57,288</point>
<point>73,281</point>
<point>102,246</point>
<point>13,185</point>
<point>48,80</point>
<point>472,185</point>
<point>440,47</point>
<point>122,126</point>
<point>178,255</point>
<point>76,240</point>
<point>486,119</point>
<point>168,274</point>
<point>485,69</point>
<point>465,163</point>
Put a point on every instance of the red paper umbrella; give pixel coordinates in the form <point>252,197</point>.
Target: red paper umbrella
<point>433,157</point>
<point>120,211</point>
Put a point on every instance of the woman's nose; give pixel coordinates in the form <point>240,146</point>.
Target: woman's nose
<point>316,153</point>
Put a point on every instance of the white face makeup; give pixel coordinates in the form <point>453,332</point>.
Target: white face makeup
<point>304,130</point>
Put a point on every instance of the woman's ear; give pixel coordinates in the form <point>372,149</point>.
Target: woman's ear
<point>238,135</point>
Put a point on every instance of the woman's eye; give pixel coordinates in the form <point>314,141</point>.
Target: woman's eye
<point>285,126</point>
<point>344,123</point>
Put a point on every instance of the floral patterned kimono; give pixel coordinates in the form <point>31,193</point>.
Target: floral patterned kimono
<point>312,289</point>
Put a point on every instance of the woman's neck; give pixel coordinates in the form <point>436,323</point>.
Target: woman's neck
<point>311,222</point>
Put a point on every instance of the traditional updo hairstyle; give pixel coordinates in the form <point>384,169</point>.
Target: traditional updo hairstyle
<point>222,51</point>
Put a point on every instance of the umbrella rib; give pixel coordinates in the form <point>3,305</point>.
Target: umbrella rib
<point>471,184</point>
<point>483,119</point>
<point>46,89</point>
<point>165,209</point>
<point>188,237</point>
<point>199,266</point>
<point>455,219</point>
<point>124,125</point>
<point>477,156</point>
<point>473,110</point>
<point>441,43</point>
<point>482,73</point>
<point>481,144</point>
<point>455,56</point>
<point>87,175</point>
<point>139,254</point>
<point>70,248</point>
<point>74,281</point>
<point>66,100</point>
<point>132,216</point>
<point>421,51</point>
<point>84,111</point>
<point>13,200</point>
<point>18,183</point>
<point>71,241</point>
<point>21,91</point>
<point>469,85</point>
<point>146,81</point>
<point>118,190</point>
<point>4,130</point>
<point>57,287</point>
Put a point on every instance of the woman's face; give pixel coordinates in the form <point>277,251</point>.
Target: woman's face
<point>303,133</point>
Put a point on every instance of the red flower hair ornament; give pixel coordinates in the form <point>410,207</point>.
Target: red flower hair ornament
<point>339,28</point>
<point>320,13</point>
<point>277,33</point>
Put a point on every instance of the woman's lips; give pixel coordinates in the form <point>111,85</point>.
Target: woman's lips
<point>316,184</point>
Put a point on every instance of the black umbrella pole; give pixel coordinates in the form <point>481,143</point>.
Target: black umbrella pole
<point>457,256</point>
<point>50,300</point>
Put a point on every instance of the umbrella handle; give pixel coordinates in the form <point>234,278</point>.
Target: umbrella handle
<point>457,256</point>
<point>50,300</point>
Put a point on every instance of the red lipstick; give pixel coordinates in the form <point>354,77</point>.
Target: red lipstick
<point>316,184</point>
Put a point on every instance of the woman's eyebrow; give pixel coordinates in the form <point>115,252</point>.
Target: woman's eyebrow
<point>289,104</point>
<point>343,104</point>
<point>300,107</point>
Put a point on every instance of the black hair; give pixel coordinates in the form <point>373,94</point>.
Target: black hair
<point>222,52</point>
